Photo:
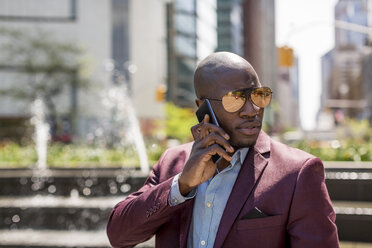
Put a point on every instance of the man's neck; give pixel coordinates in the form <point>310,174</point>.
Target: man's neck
<point>222,164</point>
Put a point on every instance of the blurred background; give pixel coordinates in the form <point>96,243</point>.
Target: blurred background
<point>92,92</point>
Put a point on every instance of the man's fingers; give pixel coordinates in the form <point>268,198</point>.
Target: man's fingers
<point>216,149</point>
<point>203,129</point>
<point>206,118</point>
<point>196,131</point>
<point>214,138</point>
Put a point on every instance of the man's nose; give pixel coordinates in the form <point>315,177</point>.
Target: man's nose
<point>249,109</point>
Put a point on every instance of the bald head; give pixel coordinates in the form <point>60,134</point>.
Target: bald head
<point>217,65</point>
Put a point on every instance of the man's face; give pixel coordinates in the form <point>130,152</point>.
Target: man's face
<point>244,125</point>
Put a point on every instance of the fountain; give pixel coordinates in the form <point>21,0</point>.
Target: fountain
<point>41,135</point>
<point>119,129</point>
<point>123,127</point>
<point>70,207</point>
<point>134,132</point>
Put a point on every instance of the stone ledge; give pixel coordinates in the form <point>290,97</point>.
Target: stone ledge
<point>56,213</point>
<point>83,183</point>
<point>354,165</point>
<point>352,208</point>
<point>354,221</point>
<point>32,238</point>
<point>69,172</point>
<point>355,245</point>
<point>51,201</point>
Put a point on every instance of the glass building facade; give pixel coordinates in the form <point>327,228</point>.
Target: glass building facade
<point>191,35</point>
<point>355,12</point>
<point>230,26</point>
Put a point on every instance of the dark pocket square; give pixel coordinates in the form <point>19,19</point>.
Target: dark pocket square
<point>254,214</point>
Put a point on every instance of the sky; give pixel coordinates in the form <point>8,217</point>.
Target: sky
<point>307,27</point>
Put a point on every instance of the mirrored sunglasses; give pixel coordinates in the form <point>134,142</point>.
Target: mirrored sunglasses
<point>234,100</point>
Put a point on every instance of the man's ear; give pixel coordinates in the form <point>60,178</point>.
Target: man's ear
<point>198,102</point>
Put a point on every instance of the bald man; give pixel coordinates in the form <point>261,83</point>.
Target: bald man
<point>259,193</point>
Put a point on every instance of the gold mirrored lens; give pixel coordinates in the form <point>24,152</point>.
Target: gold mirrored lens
<point>233,101</point>
<point>261,97</point>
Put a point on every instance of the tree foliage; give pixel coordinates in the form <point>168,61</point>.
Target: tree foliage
<point>179,121</point>
<point>44,66</point>
<point>352,143</point>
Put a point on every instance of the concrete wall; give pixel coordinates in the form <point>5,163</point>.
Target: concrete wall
<point>90,29</point>
<point>259,44</point>
<point>148,55</point>
<point>206,28</point>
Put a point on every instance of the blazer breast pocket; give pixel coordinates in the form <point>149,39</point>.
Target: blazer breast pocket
<point>260,223</point>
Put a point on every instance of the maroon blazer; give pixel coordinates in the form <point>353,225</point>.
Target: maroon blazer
<point>284,183</point>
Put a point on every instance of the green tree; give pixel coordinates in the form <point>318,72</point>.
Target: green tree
<point>45,67</point>
<point>179,121</point>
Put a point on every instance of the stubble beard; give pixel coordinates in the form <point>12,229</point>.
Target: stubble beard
<point>241,144</point>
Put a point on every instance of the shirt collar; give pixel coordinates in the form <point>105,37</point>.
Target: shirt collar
<point>239,154</point>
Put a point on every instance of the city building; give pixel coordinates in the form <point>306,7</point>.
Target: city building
<point>120,47</point>
<point>191,36</point>
<point>230,26</point>
<point>259,45</point>
<point>355,12</point>
<point>68,21</point>
<point>346,78</point>
<point>148,57</point>
<point>152,47</point>
<point>259,39</point>
<point>287,95</point>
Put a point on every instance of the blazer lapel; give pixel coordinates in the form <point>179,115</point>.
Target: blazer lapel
<point>250,172</point>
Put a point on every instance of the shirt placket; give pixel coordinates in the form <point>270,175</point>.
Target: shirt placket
<point>205,218</point>
<point>210,200</point>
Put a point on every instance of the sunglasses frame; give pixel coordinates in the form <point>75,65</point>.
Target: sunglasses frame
<point>247,93</point>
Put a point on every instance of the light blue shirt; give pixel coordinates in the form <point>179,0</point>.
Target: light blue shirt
<point>210,201</point>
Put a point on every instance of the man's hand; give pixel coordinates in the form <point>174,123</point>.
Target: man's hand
<point>209,140</point>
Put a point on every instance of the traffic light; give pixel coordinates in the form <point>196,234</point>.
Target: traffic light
<point>285,56</point>
<point>160,93</point>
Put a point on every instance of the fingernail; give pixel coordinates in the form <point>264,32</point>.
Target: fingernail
<point>231,148</point>
<point>227,136</point>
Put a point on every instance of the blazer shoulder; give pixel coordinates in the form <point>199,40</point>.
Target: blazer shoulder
<point>177,152</point>
<point>181,148</point>
<point>173,160</point>
<point>289,156</point>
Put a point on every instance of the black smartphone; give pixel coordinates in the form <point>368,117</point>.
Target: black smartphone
<point>206,108</point>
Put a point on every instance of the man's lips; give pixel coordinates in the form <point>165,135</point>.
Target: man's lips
<point>249,128</point>
<point>249,125</point>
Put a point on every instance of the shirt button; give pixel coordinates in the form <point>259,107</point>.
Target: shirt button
<point>202,242</point>
<point>209,204</point>
<point>175,201</point>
